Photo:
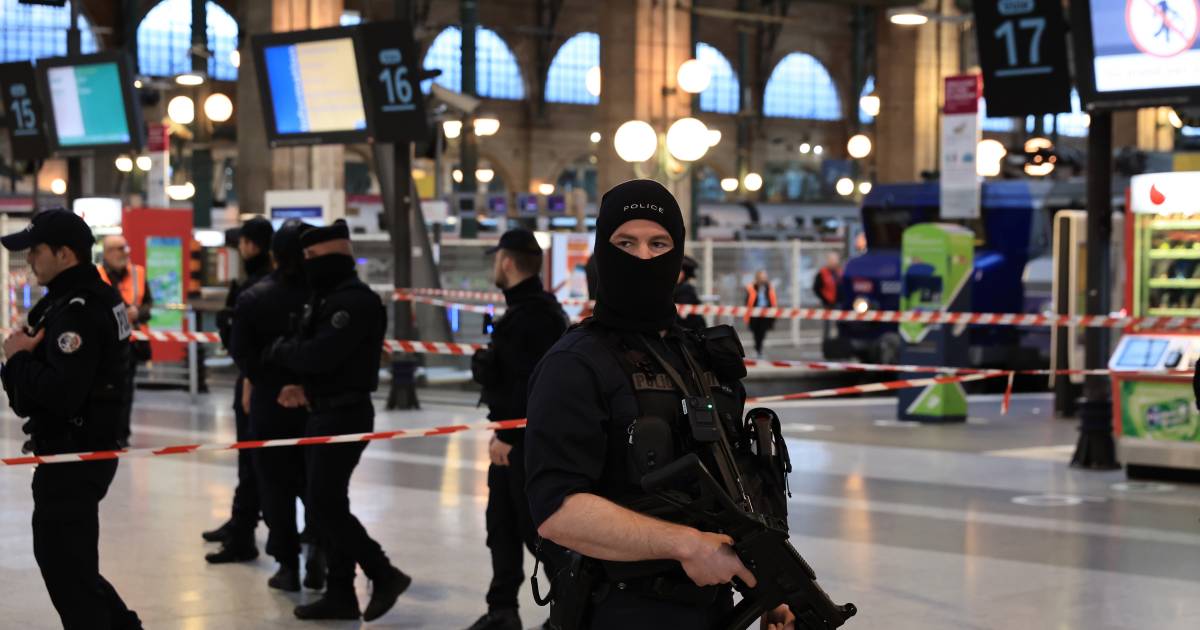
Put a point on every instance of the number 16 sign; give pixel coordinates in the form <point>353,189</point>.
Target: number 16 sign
<point>392,68</point>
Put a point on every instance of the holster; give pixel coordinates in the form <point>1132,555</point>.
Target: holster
<point>573,580</point>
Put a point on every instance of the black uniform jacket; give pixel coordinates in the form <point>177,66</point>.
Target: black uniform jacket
<point>270,309</point>
<point>530,326</point>
<point>71,385</point>
<point>340,342</point>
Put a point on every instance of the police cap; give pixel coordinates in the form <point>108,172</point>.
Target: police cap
<point>55,227</point>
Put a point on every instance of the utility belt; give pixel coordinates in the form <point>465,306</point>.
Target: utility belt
<point>323,404</point>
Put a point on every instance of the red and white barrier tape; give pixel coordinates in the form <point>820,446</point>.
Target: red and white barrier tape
<point>404,434</point>
<point>922,317</point>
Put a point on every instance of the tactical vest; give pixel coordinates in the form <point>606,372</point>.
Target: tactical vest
<point>95,426</point>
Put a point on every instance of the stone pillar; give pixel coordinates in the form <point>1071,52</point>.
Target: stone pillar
<point>645,41</point>
<point>912,65</point>
<point>260,168</point>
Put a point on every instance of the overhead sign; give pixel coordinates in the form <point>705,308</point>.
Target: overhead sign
<point>1023,53</point>
<point>24,111</point>
<point>392,66</point>
<point>1165,193</point>
<point>960,186</point>
<point>1137,52</point>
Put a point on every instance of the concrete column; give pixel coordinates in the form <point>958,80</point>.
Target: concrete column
<point>912,64</point>
<point>259,167</point>
<point>645,41</point>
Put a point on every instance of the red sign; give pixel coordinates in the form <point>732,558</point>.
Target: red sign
<point>157,138</point>
<point>962,94</point>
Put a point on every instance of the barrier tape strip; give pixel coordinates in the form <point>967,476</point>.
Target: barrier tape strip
<point>405,434</point>
<point>922,317</point>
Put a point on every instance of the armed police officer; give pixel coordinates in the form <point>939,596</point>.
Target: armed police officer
<point>622,395</point>
<point>65,372</point>
<point>237,534</point>
<point>336,358</point>
<point>269,310</point>
<point>531,324</point>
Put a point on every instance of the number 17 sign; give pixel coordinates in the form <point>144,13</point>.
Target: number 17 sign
<point>1023,52</point>
<point>392,68</point>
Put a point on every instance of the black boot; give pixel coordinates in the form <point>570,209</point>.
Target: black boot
<point>502,619</point>
<point>233,552</point>
<point>220,534</point>
<point>314,569</point>
<point>286,579</point>
<point>385,589</point>
<point>337,603</point>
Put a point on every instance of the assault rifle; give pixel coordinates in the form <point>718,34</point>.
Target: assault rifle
<point>783,576</point>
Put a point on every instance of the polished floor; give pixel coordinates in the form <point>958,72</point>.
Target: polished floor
<point>979,525</point>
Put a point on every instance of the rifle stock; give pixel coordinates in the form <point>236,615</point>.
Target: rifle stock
<point>782,574</point>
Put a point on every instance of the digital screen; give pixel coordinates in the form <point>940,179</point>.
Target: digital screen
<point>1145,44</point>
<point>1141,353</point>
<point>315,87</point>
<point>88,104</point>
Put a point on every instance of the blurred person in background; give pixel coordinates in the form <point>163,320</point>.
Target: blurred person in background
<point>685,293</point>
<point>130,281</point>
<point>760,294</point>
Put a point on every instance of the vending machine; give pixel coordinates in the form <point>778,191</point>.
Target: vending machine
<point>1154,408</point>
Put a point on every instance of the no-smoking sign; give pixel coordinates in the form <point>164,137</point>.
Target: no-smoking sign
<point>1163,28</point>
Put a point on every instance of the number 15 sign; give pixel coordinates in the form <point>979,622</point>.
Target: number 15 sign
<point>1023,52</point>
<point>392,71</point>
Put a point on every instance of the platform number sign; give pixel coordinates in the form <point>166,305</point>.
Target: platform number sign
<point>391,66</point>
<point>1023,52</point>
<point>23,110</point>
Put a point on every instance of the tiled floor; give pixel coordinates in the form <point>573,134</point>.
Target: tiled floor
<point>916,525</point>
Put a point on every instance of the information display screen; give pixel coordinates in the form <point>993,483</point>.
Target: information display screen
<point>1139,50</point>
<point>315,87</point>
<point>1141,353</point>
<point>89,108</point>
<point>89,103</point>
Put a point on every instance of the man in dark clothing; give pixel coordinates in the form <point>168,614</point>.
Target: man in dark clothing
<point>336,355</point>
<point>66,372</point>
<point>531,324</point>
<point>605,408</point>
<point>685,293</point>
<point>237,534</point>
<point>270,310</point>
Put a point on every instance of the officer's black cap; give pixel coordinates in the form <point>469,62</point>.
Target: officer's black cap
<point>258,230</point>
<point>518,240</point>
<point>55,227</point>
<point>339,231</point>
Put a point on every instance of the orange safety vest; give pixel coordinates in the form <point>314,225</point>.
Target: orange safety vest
<point>752,297</point>
<point>829,288</point>
<point>132,287</point>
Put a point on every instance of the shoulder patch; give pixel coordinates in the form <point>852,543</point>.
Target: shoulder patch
<point>124,329</point>
<point>340,319</point>
<point>69,342</point>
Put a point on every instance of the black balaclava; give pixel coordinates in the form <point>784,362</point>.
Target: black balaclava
<point>259,231</point>
<point>285,245</point>
<point>326,272</point>
<point>631,293</point>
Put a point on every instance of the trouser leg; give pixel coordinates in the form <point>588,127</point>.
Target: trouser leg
<point>279,479</point>
<point>504,541</point>
<point>125,428</point>
<point>246,507</point>
<point>329,468</point>
<point>66,533</point>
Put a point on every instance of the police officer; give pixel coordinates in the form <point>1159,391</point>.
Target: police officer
<point>531,324</point>
<point>237,534</point>
<point>265,312</point>
<point>605,408</point>
<point>66,372</point>
<point>336,356</point>
<point>130,280</point>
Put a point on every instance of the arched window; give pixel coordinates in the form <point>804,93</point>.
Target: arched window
<point>164,40</point>
<point>996,125</point>
<point>566,82</point>
<point>497,74</point>
<point>1074,124</point>
<point>868,88</point>
<point>722,95</point>
<point>800,87</point>
<point>35,32</point>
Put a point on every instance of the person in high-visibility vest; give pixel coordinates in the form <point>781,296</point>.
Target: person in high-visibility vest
<point>826,285</point>
<point>760,293</point>
<point>130,281</point>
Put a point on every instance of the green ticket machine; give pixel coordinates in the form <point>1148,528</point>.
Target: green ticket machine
<point>937,260</point>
